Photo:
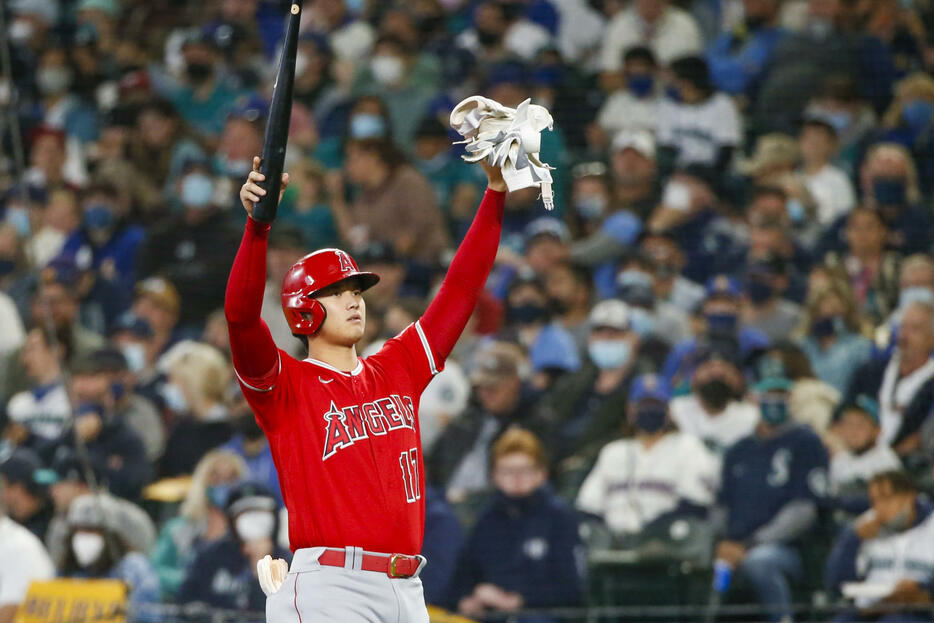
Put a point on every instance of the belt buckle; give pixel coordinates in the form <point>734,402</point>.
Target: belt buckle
<point>393,559</point>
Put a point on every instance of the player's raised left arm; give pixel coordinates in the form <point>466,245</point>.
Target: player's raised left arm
<point>447,315</point>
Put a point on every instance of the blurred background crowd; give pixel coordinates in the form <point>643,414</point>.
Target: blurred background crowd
<point>704,378</point>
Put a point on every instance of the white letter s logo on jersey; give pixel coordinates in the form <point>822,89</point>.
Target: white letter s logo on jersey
<point>353,423</point>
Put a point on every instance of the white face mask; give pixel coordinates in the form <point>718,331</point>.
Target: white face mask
<point>174,398</point>
<point>53,80</point>
<point>301,63</point>
<point>87,547</point>
<point>387,69</point>
<point>135,355</point>
<point>254,525</point>
<point>20,30</point>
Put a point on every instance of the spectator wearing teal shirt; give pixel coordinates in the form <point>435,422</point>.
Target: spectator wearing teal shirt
<point>206,93</point>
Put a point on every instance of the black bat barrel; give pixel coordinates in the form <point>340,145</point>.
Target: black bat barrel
<point>277,125</point>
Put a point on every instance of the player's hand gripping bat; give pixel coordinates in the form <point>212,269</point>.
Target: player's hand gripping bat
<point>277,125</point>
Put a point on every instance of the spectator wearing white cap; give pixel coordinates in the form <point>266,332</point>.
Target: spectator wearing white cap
<point>23,559</point>
<point>587,406</point>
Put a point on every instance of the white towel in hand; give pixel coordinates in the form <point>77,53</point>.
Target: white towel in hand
<point>510,138</point>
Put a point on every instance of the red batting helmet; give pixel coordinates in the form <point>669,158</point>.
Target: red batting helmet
<point>309,275</point>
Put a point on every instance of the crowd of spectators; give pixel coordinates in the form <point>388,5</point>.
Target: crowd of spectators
<point>726,322</point>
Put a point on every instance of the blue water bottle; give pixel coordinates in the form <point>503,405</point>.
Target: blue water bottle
<point>722,574</point>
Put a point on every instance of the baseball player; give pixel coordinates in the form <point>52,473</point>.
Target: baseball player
<point>344,430</point>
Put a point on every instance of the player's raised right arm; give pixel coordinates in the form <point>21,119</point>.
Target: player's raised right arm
<point>255,356</point>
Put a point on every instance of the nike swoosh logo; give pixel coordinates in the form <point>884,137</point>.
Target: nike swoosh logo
<point>325,381</point>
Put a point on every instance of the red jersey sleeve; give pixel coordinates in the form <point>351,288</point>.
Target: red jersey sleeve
<point>411,352</point>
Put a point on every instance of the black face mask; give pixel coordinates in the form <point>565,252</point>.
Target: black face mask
<point>716,393</point>
<point>651,419</point>
<point>828,326</point>
<point>487,38</point>
<point>199,73</point>
<point>246,425</point>
<point>755,22</point>
<point>526,314</point>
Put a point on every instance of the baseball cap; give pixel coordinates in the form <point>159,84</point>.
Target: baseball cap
<point>250,108</point>
<point>66,467</point>
<point>507,73</point>
<point>377,252</point>
<point>161,291</point>
<point>775,149</point>
<point>554,350</point>
<point>819,118</point>
<point>102,360</point>
<point>862,402</point>
<point>249,496</point>
<point>641,141</point>
<point>131,323</point>
<point>110,7</point>
<point>547,226</point>
<point>723,286</point>
<point>611,313</point>
<point>495,362</point>
<point>63,270</point>
<point>21,468</point>
<point>649,387</point>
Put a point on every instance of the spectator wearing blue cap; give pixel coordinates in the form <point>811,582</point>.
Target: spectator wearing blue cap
<point>113,243</point>
<point>206,92</point>
<point>739,58</point>
<point>523,551</point>
<point>861,454</point>
<point>587,407</point>
<point>657,475</point>
<point>720,316</point>
<point>783,466</point>
<point>25,497</point>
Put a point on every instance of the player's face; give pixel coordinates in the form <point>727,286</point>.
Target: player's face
<point>517,475</point>
<point>345,322</point>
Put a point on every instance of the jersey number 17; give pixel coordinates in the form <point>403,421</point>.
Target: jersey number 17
<point>408,461</point>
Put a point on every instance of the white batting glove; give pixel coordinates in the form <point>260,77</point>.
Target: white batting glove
<point>271,573</point>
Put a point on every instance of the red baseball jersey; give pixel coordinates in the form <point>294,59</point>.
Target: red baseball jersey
<point>347,446</point>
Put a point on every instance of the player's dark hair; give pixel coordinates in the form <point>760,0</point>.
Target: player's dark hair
<point>899,480</point>
<point>303,339</point>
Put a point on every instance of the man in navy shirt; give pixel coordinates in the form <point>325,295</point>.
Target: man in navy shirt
<point>783,467</point>
<point>524,549</point>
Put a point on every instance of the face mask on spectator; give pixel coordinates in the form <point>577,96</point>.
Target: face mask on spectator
<point>197,190</point>
<point>796,211</point>
<point>365,125</point>
<point>87,547</point>
<point>917,114</point>
<point>827,327</point>
<point>889,191</point>
<point>20,31</point>
<point>640,85</point>
<point>915,294</point>
<point>487,38</point>
<point>19,218</point>
<point>774,410</point>
<point>217,495</point>
<point>301,63</point>
<point>174,398</point>
<point>651,418</point>
<point>53,80</point>
<point>759,291</point>
<point>721,323</point>
<point>716,393</point>
<point>135,355</point>
<point>254,525</point>
<point>642,321</point>
<point>590,207</point>
<point>387,69</point>
<point>526,314</point>
<point>235,168</point>
<point>901,521</point>
<point>99,221</point>
<point>6,267</point>
<point>609,354</point>
<point>199,73</point>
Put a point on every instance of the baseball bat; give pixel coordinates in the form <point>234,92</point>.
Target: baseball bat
<point>277,124</point>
